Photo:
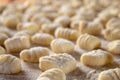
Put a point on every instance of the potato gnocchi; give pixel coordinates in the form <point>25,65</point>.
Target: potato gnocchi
<point>111,74</point>
<point>88,42</point>
<point>3,37</point>
<point>114,47</point>
<point>52,74</point>
<point>9,64</point>
<point>62,46</point>
<point>96,58</point>
<point>65,62</point>
<point>42,39</point>
<point>33,54</point>
<point>17,44</point>
<point>2,50</point>
<point>67,33</point>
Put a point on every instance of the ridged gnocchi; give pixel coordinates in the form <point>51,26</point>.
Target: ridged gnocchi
<point>65,62</point>
<point>17,44</point>
<point>33,54</point>
<point>67,33</point>
<point>93,28</point>
<point>114,47</point>
<point>2,50</point>
<point>3,37</point>
<point>52,74</point>
<point>110,74</point>
<point>96,58</point>
<point>62,46</point>
<point>42,39</point>
<point>9,64</point>
<point>112,31</point>
<point>28,26</point>
<point>88,42</point>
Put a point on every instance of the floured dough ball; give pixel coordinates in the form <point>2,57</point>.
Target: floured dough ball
<point>11,21</point>
<point>33,54</point>
<point>52,74</point>
<point>67,33</point>
<point>114,47</point>
<point>65,62</point>
<point>3,37</point>
<point>88,42</point>
<point>96,58</point>
<point>93,28</point>
<point>28,26</point>
<point>17,44</point>
<point>110,74</point>
<point>42,39</point>
<point>9,64</point>
<point>2,50</point>
<point>50,28</point>
<point>63,20</point>
<point>112,31</point>
<point>62,46</point>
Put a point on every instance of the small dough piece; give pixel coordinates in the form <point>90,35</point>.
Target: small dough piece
<point>64,61</point>
<point>17,44</point>
<point>33,54</point>
<point>2,50</point>
<point>63,20</point>
<point>93,28</point>
<point>52,74</point>
<point>50,28</point>
<point>67,33</point>
<point>112,31</point>
<point>22,33</point>
<point>114,47</point>
<point>88,42</point>
<point>111,74</point>
<point>96,58</point>
<point>9,64</point>
<point>3,37</point>
<point>62,46</point>
<point>28,26</point>
<point>42,39</point>
<point>75,24</point>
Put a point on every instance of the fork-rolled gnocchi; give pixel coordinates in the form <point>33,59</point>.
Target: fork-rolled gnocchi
<point>2,50</point>
<point>52,74</point>
<point>33,54</point>
<point>62,46</point>
<point>88,42</point>
<point>67,33</point>
<point>96,58</point>
<point>3,37</point>
<point>65,62</point>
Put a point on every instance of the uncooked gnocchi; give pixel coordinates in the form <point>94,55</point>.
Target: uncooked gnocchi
<point>3,37</point>
<point>114,47</point>
<point>67,33</point>
<point>88,42</point>
<point>9,64</point>
<point>28,26</point>
<point>17,44</point>
<point>33,54</point>
<point>52,74</point>
<point>63,20</point>
<point>112,31</point>
<point>111,74</point>
<point>42,39</point>
<point>2,50</point>
<point>62,46</point>
<point>96,58</point>
<point>65,62</point>
<point>93,28</point>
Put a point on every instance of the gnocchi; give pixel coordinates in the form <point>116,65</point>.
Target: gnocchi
<point>52,74</point>
<point>65,62</point>
<point>96,58</point>
<point>33,54</point>
<point>17,44</point>
<point>62,46</point>
<point>3,37</point>
<point>2,50</point>
<point>88,42</point>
